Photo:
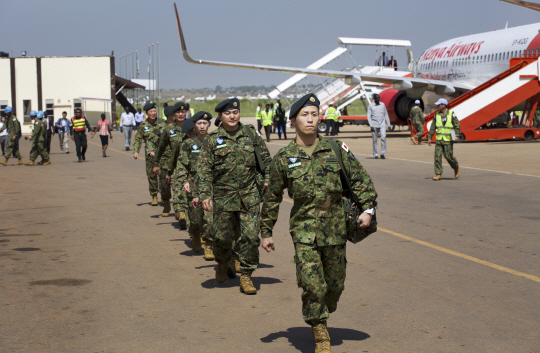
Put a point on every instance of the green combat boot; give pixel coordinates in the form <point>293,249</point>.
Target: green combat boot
<point>154,200</point>
<point>166,208</point>
<point>246,286</point>
<point>196,243</point>
<point>4,162</point>
<point>322,339</point>
<point>208,252</point>
<point>29,163</point>
<point>20,162</point>
<point>221,272</point>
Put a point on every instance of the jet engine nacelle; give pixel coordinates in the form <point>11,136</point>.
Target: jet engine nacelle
<point>398,105</point>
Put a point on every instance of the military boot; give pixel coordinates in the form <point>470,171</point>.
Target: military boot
<point>457,172</point>
<point>19,162</point>
<point>196,243</point>
<point>322,338</point>
<point>246,286</point>
<point>437,177</point>
<point>182,220</point>
<point>47,162</point>
<point>40,162</point>
<point>413,140</point>
<point>4,162</point>
<point>154,200</point>
<point>231,270</point>
<point>221,272</point>
<point>176,215</point>
<point>166,208</point>
<point>237,265</point>
<point>29,163</point>
<point>208,252</point>
<point>421,143</point>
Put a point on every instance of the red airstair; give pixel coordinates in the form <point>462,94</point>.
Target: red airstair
<point>489,100</point>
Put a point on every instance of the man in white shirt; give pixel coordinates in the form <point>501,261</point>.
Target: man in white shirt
<point>3,137</point>
<point>127,123</point>
<point>378,121</point>
<point>383,60</point>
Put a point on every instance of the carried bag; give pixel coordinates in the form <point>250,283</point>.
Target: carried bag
<point>261,170</point>
<point>352,207</point>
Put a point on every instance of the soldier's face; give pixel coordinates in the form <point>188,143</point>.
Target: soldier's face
<point>230,118</point>
<point>201,126</point>
<point>180,115</point>
<point>307,120</point>
<point>152,113</point>
<point>442,107</point>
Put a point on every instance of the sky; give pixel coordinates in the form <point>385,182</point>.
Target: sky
<point>291,33</point>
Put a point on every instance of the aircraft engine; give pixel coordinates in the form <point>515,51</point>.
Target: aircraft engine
<point>398,105</point>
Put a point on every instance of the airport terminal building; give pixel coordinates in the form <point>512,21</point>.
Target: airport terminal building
<point>58,84</point>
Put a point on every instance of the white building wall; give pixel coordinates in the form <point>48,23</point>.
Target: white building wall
<point>26,87</point>
<point>5,81</point>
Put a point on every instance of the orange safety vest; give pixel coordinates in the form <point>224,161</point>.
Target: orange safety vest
<point>79,124</point>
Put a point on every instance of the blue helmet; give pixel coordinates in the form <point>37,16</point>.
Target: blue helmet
<point>33,113</point>
<point>8,110</point>
<point>40,114</point>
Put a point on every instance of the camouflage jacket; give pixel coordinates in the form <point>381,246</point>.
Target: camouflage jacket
<point>149,133</point>
<point>227,168</point>
<point>433,129</point>
<point>170,140</point>
<point>188,161</point>
<point>37,132</point>
<point>12,125</point>
<point>417,115</point>
<point>314,183</point>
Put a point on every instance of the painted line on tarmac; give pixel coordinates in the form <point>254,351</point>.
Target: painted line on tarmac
<point>455,253</point>
<point>112,149</point>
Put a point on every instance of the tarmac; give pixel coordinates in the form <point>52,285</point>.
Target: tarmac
<point>87,265</point>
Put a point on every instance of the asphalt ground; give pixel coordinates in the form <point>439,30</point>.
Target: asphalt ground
<point>87,265</point>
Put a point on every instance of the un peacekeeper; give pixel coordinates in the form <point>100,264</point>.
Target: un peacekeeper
<point>149,132</point>
<point>39,136</point>
<point>14,128</point>
<point>417,118</point>
<point>33,142</point>
<point>229,185</point>
<point>444,123</point>
<point>169,140</point>
<point>309,170</point>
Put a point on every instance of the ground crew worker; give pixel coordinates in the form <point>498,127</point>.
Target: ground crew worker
<point>14,128</point>
<point>444,124</point>
<point>170,140</point>
<point>230,185</point>
<point>267,121</point>
<point>417,119</point>
<point>258,116</point>
<point>200,221</point>
<point>281,120</point>
<point>149,132</point>
<point>331,119</point>
<point>39,136</point>
<point>78,133</point>
<point>308,168</point>
<point>378,120</point>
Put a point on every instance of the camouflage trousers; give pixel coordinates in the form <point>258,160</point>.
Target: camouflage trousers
<point>200,221</point>
<point>38,148</point>
<point>237,232</point>
<point>180,202</point>
<point>320,272</point>
<point>153,184</point>
<point>12,149</point>
<point>448,151</point>
<point>165,188</point>
<point>420,131</point>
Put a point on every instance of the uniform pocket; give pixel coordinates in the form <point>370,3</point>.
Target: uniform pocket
<point>332,177</point>
<point>298,182</point>
<point>222,157</point>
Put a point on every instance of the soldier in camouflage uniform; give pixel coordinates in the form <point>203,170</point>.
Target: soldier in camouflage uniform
<point>200,221</point>
<point>39,136</point>
<point>14,128</point>
<point>169,141</point>
<point>230,185</point>
<point>309,169</point>
<point>149,132</point>
<point>417,119</point>
<point>444,122</point>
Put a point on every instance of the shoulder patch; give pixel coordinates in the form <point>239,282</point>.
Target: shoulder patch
<point>185,147</point>
<point>258,133</point>
<point>345,147</point>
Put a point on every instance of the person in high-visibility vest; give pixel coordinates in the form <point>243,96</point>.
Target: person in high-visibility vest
<point>446,126</point>
<point>78,133</point>
<point>258,116</point>
<point>267,115</point>
<point>331,119</point>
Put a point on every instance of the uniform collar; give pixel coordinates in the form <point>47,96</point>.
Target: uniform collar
<point>221,132</point>
<point>323,145</point>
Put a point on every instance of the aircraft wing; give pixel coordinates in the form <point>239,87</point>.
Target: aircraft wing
<point>399,83</point>
<point>526,4</point>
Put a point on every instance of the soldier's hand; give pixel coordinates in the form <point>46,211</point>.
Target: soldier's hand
<point>186,188</point>
<point>268,244</point>
<point>156,170</point>
<point>195,202</point>
<point>135,155</point>
<point>456,139</point>
<point>14,137</point>
<point>429,143</point>
<point>207,205</point>
<point>168,179</point>
<point>152,154</point>
<point>72,137</point>
<point>364,220</point>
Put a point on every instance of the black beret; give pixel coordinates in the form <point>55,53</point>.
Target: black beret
<point>149,106</point>
<point>168,110</point>
<point>228,104</point>
<point>201,115</point>
<point>187,126</point>
<point>180,106</point>
<point>305,101</point>
<point>217,121</point>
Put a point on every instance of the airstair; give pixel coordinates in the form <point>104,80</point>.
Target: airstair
<point>494,97</point>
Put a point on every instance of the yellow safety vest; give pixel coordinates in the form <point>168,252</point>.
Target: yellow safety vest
<point>331,114</point>
<point>192,111</point>
<point>266,117</point>
<point>258,115</point>
<point>444,130</point>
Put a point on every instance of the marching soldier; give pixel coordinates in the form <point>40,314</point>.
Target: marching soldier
<point>230,185</point>
<point>417,119</point>
<point>170,140</point>
<point>309,169</point>
<point>39,136</point>
<point>149,132</point>
<point>446,125</point>
<point>14,128</point>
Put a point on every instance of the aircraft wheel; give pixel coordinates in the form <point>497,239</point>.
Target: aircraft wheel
<point>322,127</point>
<point>529,135</point>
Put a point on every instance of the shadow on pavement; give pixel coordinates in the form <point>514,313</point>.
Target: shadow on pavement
<point>144,204</point>
<point>302,337</point>
<point>235,282</point>
<point>190,252</point>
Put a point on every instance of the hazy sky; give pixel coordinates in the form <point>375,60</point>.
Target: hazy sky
<point>277,32</point>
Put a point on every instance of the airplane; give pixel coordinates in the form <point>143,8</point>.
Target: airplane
<point>448,69</point>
